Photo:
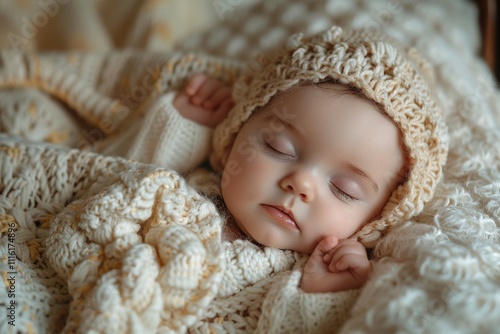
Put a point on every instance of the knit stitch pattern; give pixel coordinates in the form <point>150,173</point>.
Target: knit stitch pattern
<point>146,249</point>
<point>436,273</point>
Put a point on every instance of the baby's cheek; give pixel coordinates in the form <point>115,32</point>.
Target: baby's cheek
<point>261,167</point>
<point>339,220</point>
<point>236,172</point>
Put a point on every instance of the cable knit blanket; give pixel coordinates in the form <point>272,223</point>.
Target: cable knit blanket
<point>95,243</point>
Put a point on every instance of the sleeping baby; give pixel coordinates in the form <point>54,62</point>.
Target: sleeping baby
<point>320,147</point>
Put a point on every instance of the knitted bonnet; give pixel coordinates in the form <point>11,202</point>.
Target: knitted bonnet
<point>390,77</point>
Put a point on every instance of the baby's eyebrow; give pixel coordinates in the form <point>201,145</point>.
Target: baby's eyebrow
<point>364,175</point>
<point>286,124</point>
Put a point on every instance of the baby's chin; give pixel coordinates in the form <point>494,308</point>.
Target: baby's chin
<point>279,243</point>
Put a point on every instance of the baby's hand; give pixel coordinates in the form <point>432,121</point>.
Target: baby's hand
<point>204,100</point>
<point>336,266</point>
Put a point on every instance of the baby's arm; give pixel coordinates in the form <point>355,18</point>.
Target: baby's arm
<point>205,101</point>
<point>336,266</point>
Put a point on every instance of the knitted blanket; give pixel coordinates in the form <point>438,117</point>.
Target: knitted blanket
<point>99,243</point>
<point>113,258</point>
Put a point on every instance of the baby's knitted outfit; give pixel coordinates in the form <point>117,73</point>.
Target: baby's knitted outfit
<point>164,138</point>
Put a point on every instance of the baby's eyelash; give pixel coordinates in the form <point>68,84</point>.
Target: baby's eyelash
<point>342,194</point>
<point>277,154</point>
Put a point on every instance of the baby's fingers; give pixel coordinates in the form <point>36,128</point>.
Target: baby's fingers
<point>352,262</point>
<point>348,254</point>
<point>224,108</point>
<point>316,262</point>
<point>207,89</point>
<point>195,83</point>
<point>220,114</point>
<point>218,98</point>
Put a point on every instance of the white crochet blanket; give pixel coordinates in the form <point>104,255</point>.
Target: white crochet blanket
<point>81,247</point>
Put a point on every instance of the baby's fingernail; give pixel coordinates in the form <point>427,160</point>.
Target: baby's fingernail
<point>340,266</point>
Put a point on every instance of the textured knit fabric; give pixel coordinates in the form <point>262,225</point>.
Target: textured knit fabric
<point>439,275</point>
<point>110,114</point>
<point>366,61</point>
<point>163,138</point>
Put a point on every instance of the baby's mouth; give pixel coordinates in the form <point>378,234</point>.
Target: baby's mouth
<point>282,215</point>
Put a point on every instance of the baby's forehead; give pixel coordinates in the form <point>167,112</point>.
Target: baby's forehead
<point>291,98</point>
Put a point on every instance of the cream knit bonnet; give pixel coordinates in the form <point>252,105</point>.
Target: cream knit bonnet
<point>383,74</point>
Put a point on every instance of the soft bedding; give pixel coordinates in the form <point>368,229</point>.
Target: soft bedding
<point>88,239</point>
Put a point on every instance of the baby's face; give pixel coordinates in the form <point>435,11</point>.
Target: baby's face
<point>311,163</point>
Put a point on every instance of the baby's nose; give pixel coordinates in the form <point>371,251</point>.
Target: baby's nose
<point>300,183</point>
